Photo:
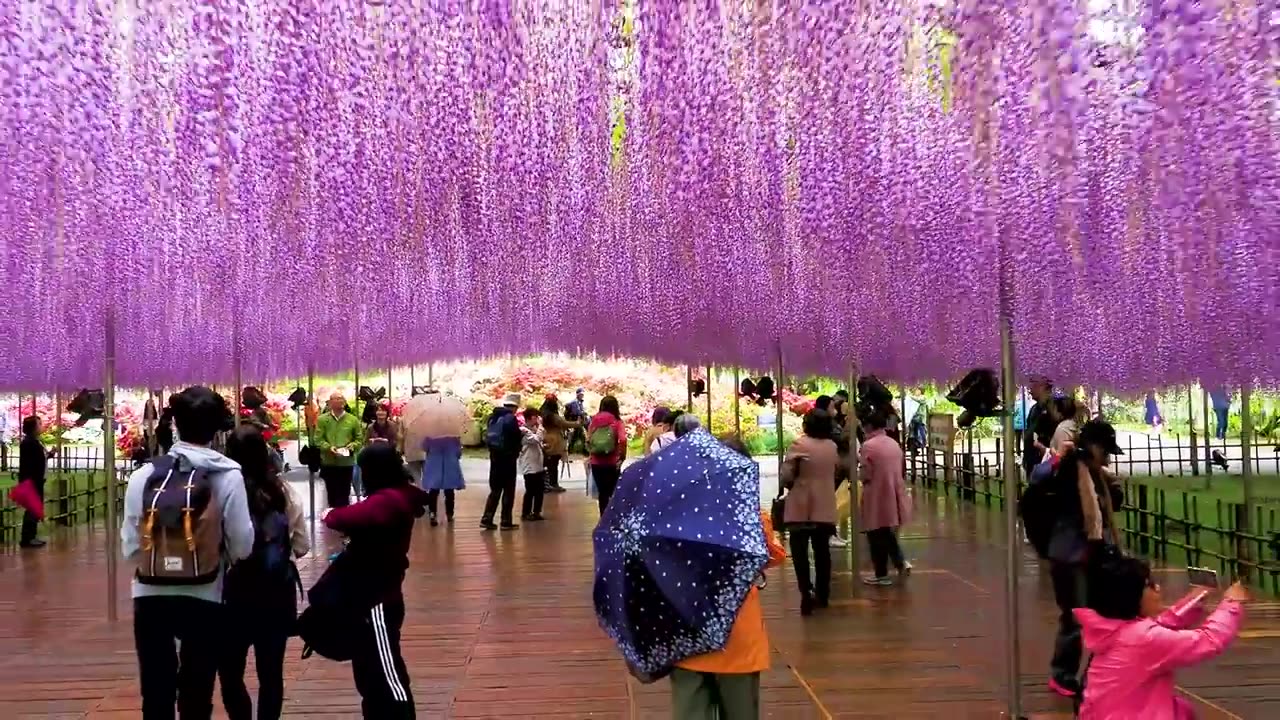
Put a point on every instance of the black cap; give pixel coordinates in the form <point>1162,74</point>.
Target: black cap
<point>1100,433</point>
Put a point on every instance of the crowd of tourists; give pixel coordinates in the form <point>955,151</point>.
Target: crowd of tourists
<point>1109,604</point>
<point>212,529</point>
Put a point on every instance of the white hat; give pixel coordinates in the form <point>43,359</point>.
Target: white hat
<point>511,400</point>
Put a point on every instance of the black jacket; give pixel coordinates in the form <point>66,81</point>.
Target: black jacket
<point>511,435</point>
<point>32,460</point>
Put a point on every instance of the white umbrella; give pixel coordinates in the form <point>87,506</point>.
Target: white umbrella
<point>433,415</point>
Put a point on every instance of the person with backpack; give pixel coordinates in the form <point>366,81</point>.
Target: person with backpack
<point>186,518</point>
<point>1067,513</point>
<point>261,591</point>
<point>356,609</point>
<point>339,437</point>
<point>504,437</point>
<point>607,448</point>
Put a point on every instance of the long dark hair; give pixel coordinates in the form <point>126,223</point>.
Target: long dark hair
<point>550,408</point>
<point>609,404</point>
<point>263,486</point>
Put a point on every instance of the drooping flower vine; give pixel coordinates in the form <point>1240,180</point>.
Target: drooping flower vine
<point>282,184</point>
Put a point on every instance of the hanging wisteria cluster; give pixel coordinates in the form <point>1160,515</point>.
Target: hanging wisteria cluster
<point>285,184</point>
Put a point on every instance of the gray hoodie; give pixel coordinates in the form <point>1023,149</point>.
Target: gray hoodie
<point>237,526</point>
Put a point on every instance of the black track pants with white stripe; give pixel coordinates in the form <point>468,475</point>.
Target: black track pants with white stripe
<point>378,668</point>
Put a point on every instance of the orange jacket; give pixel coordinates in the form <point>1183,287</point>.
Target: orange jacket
<point>747,650</point>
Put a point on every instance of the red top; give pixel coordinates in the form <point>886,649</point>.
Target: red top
<point>604,419</point>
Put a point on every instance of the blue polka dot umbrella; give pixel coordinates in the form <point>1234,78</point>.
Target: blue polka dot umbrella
<point>676,551</point>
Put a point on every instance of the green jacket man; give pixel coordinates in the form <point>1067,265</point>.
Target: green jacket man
<point>336,430</point>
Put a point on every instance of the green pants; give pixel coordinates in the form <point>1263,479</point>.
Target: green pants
<point>712,696</point>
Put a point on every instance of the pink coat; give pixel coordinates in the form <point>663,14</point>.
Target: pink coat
<point>1131,674</point>
<point>884,491</point>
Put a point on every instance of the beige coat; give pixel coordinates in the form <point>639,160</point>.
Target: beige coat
<point>554,441</point>
<point>809,470</point>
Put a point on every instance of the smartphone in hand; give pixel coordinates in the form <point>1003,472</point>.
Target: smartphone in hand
<point>1203,577</point>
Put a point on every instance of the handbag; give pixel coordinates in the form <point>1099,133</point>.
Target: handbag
<point>26,496</point>
<point>778,510</point>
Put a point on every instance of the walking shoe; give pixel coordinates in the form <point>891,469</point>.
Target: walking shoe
<point>508,526</point>
<point>487,525</point>
<point>32,544</point>
<point>876,580</point>
<point>822,603</point>
<point>449,519</point>
<point>806,604</point>
<point>434,521</point>
<point>536,517</point>
<point>1064,686</point>
<point>555,489</point>
<point>905,570</point>
<point>838,542</point>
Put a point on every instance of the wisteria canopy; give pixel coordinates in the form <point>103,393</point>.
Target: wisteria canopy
<point>297,183</point>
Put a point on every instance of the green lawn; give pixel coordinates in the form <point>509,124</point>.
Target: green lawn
<point>1227,488</point>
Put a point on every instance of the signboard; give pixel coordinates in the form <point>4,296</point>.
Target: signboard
<point>942,432</point>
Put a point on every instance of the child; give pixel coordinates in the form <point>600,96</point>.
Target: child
<point>531,465</point>
<point>369,575</point>
<point>1137,644</point>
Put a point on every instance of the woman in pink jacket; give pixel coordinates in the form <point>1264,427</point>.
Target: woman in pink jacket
<point>885,505</point>
<point>1137,643</point>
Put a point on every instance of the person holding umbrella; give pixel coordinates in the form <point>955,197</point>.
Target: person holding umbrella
<point>692,511</point>
<point>432,427</point>
<point>726,683</point>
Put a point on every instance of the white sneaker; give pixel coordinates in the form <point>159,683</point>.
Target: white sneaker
<point>873,580</point>
<point>906,568</point>
<point>838,542</point>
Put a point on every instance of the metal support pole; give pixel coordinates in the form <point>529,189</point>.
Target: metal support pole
<point>1246,476</point>
<point>391,392</point>
<point>904,433</point>
<point>430,372</point>
<point>239,390</point>
<point>688,388</point>
<point>737,403</point>
<point>355,401</point>
<point>33,404</point>
<point>1208,453</point>
<point>1013,547</point>
<point>777,407</point>
<point>109,463</point>
<point>709,400</point>
<point>59,465</point>
<point>1191,424</point>
<point>311,442</point>
<point>855,481</point>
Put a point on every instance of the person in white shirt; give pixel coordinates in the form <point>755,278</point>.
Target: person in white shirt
<point>531,465</point>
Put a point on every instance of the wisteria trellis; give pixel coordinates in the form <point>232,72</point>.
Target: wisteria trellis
<point>293,182</point>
